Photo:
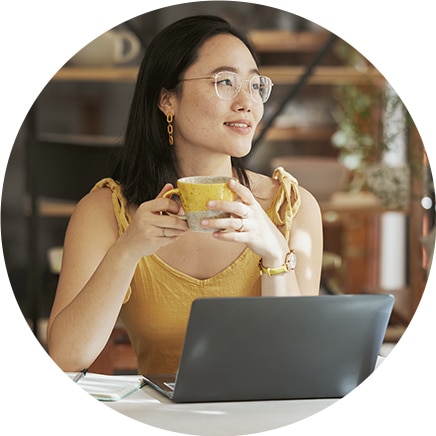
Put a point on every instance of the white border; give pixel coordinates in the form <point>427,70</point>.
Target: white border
<point>39,36</point>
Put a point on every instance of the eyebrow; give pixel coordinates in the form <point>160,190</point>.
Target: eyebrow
<point>233,70</point>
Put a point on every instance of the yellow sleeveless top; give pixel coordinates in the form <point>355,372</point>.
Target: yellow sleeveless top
<point>156,307</point>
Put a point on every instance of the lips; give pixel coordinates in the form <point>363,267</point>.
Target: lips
<point>238,124</point>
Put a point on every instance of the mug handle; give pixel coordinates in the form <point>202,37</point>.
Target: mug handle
<point>133,46</point>
<point>169,193</point>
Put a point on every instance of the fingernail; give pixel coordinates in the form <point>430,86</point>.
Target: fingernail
<point>205,223</point>
<point>211,204</point>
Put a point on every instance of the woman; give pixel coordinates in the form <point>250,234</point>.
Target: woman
<point>198,100</point>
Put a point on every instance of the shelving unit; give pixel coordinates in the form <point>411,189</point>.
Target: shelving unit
<point>266,42</point>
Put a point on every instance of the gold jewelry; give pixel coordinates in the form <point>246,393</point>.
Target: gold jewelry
<point>241,229</point>
<point>289,265</point>
<point>170,129</point>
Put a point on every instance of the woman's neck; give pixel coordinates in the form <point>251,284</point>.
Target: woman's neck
<point>218,166</point>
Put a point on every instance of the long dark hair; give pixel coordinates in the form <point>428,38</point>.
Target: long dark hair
<point>146,161</point>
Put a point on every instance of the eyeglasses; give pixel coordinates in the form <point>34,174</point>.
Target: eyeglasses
<point>228,85</point>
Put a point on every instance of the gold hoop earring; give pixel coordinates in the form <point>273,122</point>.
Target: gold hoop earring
<point>170,129</point>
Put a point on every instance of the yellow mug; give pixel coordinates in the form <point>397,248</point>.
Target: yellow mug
<point>195,192</point>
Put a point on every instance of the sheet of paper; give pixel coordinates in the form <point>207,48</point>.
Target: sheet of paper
<point>109,387</point>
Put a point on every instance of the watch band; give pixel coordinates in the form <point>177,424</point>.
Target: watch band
<point>289,264</point>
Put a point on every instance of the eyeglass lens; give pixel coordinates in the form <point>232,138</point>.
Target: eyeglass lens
<point>228,84</point>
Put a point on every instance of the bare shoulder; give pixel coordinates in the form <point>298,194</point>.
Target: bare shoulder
<point>96,201</point>
<point>95,211</point>
<point>309,204</point>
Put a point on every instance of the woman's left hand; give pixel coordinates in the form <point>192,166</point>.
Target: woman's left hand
<point>248,224</point>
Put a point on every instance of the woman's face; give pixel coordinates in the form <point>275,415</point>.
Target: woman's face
<point>203,122</point>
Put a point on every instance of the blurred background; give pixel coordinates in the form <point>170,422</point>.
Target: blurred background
<point>332,121</point>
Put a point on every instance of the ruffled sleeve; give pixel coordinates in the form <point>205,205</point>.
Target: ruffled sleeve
<point>120,211</point>
<point>118,202</point>
<point>286,202</point>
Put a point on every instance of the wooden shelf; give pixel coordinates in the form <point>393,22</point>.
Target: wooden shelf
<point>80,139</point>
<point>280,75</point>
<point>50,207</point>
<point>281,41</point>
<point>97,74</point>
<point>323,75</point>
<point>299,133</point>
<point>56,208</point>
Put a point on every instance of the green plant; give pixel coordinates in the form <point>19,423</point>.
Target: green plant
<point>364,135</point>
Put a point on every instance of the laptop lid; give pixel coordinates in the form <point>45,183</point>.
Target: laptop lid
<point>260,348</point>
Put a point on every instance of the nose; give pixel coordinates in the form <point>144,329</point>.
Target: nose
<point>243,99</point>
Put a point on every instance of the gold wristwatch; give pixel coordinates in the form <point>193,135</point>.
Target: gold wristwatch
<point>289,264</point>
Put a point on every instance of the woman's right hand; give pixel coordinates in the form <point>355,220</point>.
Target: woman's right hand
<point>150,228</point>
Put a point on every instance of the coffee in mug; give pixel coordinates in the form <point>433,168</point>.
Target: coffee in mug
<point>195,192</point>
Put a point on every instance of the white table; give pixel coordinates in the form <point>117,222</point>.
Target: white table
<point>224,418</point>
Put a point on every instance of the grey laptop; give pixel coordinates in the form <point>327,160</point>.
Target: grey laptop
<point>260,348</point>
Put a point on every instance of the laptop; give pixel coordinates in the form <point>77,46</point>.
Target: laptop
<point>272,348</point>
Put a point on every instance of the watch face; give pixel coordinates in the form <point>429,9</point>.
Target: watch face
<point>292,260</point>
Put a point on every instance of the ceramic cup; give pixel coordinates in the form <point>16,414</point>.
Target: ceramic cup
<point>195,192</point>
<point>112,48</point>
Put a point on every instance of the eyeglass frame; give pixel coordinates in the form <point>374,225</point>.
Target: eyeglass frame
<point>214,77</point>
